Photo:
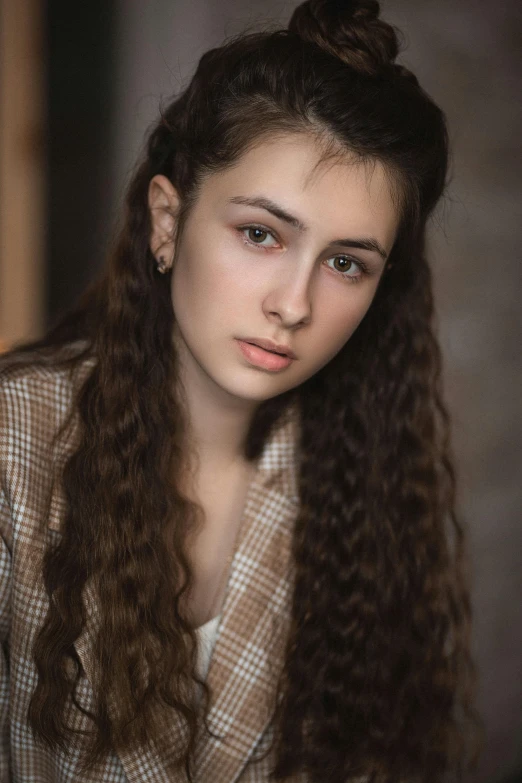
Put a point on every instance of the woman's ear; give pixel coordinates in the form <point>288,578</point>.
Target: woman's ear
<point>163,202</point>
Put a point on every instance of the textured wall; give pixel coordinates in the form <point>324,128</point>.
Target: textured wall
<point>467,56</point>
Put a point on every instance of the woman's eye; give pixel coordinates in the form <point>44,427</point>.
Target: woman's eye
<point>257,235</point>
<point>348,268</point>
<point>344,265</point>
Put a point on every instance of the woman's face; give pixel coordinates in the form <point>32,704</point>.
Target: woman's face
<point>274,249</point>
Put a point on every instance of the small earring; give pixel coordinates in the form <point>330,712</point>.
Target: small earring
<point>161,265</point>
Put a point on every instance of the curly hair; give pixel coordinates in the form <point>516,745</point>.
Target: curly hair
<point>378,679</point>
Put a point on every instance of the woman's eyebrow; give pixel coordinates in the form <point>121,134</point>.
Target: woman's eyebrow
<point>363,244</point>
<point>282,214</point>
<point>270,206</point>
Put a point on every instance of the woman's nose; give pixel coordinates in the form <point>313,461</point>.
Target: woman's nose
<point>290,298</point>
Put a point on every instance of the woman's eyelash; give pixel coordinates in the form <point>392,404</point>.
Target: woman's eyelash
<point>362,266</point>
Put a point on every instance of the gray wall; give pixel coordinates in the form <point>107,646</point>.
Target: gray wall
<point>467,56</point>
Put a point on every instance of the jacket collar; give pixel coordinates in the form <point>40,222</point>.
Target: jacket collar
<point>249,649</point>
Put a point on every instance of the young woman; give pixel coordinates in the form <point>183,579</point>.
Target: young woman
<point>228,500</point>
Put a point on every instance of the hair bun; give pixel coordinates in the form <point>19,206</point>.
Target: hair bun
<point>348,29</point>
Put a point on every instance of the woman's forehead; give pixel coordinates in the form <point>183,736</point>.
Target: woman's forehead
<point>292,171</point>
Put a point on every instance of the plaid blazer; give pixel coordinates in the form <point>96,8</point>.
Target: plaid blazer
<point>247,656</point>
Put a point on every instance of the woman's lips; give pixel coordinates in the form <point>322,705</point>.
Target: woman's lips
<point>264,359</point>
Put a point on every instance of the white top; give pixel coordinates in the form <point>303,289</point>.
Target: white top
<point>206,636</point>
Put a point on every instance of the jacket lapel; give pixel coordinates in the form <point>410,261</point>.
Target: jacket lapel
<point>249,651</point>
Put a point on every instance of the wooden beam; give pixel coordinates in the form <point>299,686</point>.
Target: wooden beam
<point>22,164</point>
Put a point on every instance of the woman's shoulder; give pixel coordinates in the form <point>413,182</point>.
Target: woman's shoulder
<point>37,391</point>
<point>37,431</point>
<point>40,382</point>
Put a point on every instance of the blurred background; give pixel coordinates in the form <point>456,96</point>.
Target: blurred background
<point>79,85</point>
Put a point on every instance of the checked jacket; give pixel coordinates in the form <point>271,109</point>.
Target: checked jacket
<point>247,656</point>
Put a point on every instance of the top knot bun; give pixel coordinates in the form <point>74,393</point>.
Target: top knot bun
<point>349,30</point>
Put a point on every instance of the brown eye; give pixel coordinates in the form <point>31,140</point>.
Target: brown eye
<point>257,235</point>
<point>343,264</point>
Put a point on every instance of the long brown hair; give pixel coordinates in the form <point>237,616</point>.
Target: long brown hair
<point>378,677</point>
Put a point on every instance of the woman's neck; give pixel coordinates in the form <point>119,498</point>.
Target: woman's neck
<point>218,423</point>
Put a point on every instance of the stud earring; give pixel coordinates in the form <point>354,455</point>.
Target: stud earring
<point>161,265</point>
